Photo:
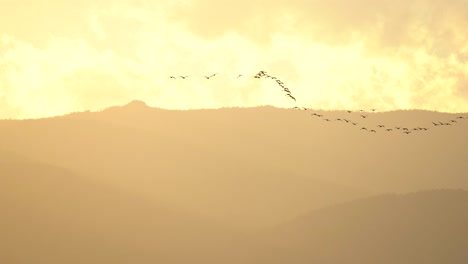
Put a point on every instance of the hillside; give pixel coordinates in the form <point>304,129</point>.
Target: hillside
<point>422,227</point>
<point>247,167</point>
<point>51,215</point>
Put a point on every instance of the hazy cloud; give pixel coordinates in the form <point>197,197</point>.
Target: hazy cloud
<point>331,54</point>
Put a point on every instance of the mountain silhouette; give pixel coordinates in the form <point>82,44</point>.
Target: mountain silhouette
<point>421,227</point>
<point>232,185</point>
<point>51,215</point>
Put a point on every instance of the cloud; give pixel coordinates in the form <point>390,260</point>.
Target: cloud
<point>75,55</point>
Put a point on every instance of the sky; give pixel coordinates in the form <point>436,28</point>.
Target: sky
<point>62,56</point>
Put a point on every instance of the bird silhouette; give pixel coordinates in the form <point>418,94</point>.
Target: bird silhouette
<point>172,77</point>
<point>364,116</point>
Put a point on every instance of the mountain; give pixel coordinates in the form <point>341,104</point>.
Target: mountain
<point>52,215</point>
<point>248,167</point>
<point>421,227</point>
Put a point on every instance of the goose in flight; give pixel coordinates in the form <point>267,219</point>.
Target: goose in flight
<point>381,126</point>
<point>238,76</point>
<point>290,96</point>
<point>183,77</point>
<point>373,131</point>
<point>364,116</point>
<point>172,77</point>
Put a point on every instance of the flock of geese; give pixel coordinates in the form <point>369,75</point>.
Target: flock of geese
<point>361,113</point>
<point>260,74</point>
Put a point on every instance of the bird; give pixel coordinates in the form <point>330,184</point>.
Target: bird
<point>373,131</point>
<point>172,77</point>
<point>381,126</point>
<point>363,128</point>
<point>183,77</point>
<point>373,110</point>
<point>389,129</point>
<point>363,116</point>
<point>239,75</point>
<point>207,77</point>
<point>407,132</point>
<point>349,111</point>
<point>292,97</point>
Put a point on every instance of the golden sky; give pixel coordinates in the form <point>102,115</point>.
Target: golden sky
<point>59,56</point>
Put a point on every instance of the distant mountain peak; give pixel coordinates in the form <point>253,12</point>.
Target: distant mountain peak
<point>136,103</point>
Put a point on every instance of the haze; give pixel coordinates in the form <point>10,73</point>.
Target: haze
<point>233,132</point>
<point>135,184</point>
<point>57,57</point>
